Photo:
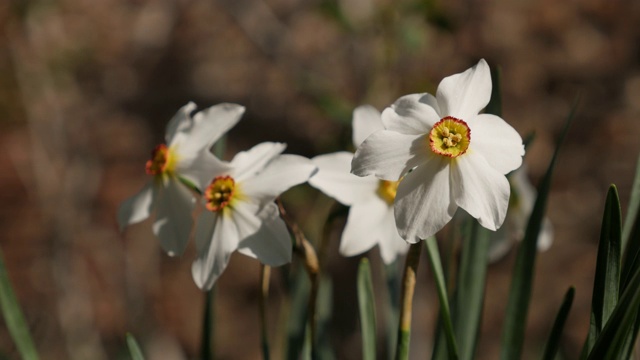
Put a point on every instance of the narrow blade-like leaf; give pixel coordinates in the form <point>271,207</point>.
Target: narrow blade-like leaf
<point>611,344</point>
<point>445,313</point>
<point>13,316</point>
<point>521,283</point>
<point>553,343</point>
<point>366,303</point>
<point>632,209</point>
<point>607,279</point>
<point>134,348</point>
<point>469,296</point>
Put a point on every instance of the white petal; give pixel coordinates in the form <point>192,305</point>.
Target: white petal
<point>335,179</point>
<point>479,189</point>
<point>248,163</point>
<point>366,121</point>
<point>207,127</point>
<point>173,223</point>
<point>216,240</point>
<point>423,203</point>
<point>464,95</point>
<point>497,141</point>
<point>412,114</point>
<point>136,208</point>
<point>391,244</point>
<point>271,244</point>
<point>277,177</point>
<point>180,122</point>
<point>201,167</point>
<point>364,227</point>
<point>389,155</point>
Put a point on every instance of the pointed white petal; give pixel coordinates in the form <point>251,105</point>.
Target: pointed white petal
<point>391,244</point>
<point>389,155</point>
<point>480,189</point>
<point>423,203</point>
<point>207,126</point>
<point>248,163</point>
<point>216,240</point>
<point>335,179</point>
<point>463,95</point>
<point>180,122</point>
<point>173,222</point>
<point>136,208</point>
<point>201,167</point>
<point>497,141</point>
<point>278,176</point>
<point>364,228</point>
<point>271,244</point>
<point>412,114</point>
<point>366,121</point>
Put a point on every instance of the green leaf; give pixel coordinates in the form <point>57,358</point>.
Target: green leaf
<point>553,343</point>
<point>13,316</point>
<point>611,343</point>
<point>632,209</point>
<point>367,307</point>
<point>607,279</point>
<point>469,296</point>
<point>134,348</point>
<point>445,313</point>
<point>520,292</point>
<point>298,311</point>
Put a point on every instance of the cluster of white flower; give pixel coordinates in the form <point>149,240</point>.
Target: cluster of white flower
<point>416,163</point>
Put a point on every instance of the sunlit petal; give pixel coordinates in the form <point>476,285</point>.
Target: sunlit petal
<point>201,168</point>
<point>248,163</point>
<point>366,121</point>
<point>412,114</point>
<point>389,155</point>
<point>207,126</point>
<point>180,122</point>
<point>423,203</point>
<point>271,244</point>
<point>365,226</point>
<point>480,190</point>
<point>173,217</point>
<point>335,179</point>
<point>278,176</point>
<point>216,239</point>
<point>136,208</point>
<point>497,142</point>
<point>465,94</point>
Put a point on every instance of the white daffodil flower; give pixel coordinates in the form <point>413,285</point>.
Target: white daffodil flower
<point>523,196</point>
<point>371,221</point>
<point>185,156</point>
<point>240,211</point>
<point>447,154</point>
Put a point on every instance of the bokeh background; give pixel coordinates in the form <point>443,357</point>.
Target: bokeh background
<point>86,88</point>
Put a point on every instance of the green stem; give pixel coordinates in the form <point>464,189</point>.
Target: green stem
<point>265,274</point>
<point>207,326</point>
<point>406,300</point>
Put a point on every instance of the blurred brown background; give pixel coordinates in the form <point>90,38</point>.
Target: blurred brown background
<point>86,88</point>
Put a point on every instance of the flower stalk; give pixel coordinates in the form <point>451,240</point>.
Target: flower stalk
<point>303,248</point>
<point>265,276</point>
<point>406,300</point>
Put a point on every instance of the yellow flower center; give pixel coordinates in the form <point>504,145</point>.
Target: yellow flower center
<point>450,137</point>
<point>220,193</point>
<point>387,190</point>
<point>163,161</point>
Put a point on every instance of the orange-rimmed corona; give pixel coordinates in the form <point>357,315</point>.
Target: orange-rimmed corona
<point>162,161</point>
<point>220,193</point>
<point>450,137</point>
